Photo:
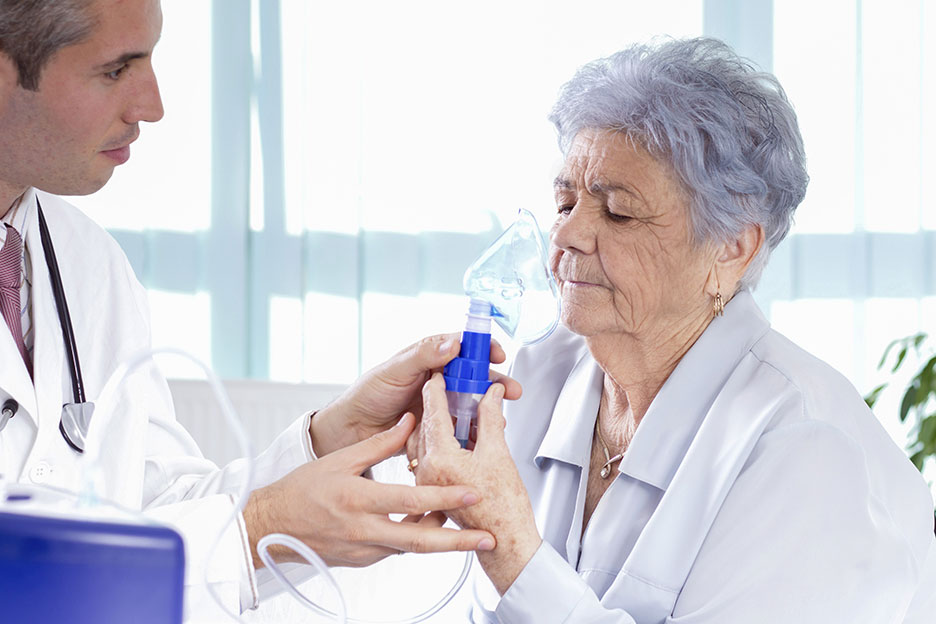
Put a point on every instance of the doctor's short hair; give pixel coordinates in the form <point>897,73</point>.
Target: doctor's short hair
<point>32,31</point>
<point>726,129</point>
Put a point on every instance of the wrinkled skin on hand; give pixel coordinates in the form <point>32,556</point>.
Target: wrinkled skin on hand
<point>504,509</point>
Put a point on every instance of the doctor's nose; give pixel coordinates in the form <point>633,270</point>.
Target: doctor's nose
<point>146,102</point>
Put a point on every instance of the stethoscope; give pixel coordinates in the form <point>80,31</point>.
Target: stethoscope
<point>76,417</point>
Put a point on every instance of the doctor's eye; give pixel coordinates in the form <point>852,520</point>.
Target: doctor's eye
<point>565,209</point>
<point>116,73</point>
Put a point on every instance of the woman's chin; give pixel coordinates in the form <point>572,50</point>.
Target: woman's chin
<point>580,322</point>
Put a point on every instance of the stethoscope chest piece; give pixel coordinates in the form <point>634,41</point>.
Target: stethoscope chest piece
<point>76,419</point>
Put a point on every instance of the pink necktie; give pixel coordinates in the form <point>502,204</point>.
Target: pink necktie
<point>11,257</point>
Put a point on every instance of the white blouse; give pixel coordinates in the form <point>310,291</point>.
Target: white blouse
<point>758,488</point>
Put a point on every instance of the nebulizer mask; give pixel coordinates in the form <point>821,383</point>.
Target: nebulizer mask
<point>511,284</point>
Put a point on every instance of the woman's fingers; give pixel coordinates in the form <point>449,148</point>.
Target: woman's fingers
<point>491,421</point>
<point>436,422</point>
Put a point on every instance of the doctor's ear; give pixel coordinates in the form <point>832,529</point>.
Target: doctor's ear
<point>732,259</point>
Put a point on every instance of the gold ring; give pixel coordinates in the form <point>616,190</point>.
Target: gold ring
<point>412,465</point>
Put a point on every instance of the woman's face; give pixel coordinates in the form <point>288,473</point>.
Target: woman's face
<point>621,244</point>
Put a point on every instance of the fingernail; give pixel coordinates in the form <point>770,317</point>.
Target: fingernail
<point>403,418</point>
<point>486,544</point>
<point>498,392</point>
<point>470,498</point>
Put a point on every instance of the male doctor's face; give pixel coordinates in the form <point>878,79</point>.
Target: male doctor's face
<point>67,137</point>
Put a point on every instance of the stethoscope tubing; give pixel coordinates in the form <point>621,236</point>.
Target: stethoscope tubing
<point>58,291</point>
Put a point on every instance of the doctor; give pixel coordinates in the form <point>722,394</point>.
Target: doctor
<point>75,82</point>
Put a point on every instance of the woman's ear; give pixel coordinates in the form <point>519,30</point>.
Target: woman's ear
<point>732,260</point>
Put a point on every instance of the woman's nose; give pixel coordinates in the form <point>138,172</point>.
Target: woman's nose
<point>574,231</point>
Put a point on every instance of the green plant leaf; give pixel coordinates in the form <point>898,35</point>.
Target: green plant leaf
<point>893,343</point>
<point>918,459</point>
<point>908,399</point>
<point>925,380</point>
<point>927,433</point>
<point>873,396</point>
<point>900,359</point>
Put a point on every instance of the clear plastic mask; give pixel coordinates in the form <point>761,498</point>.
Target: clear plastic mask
<point>513,276</point>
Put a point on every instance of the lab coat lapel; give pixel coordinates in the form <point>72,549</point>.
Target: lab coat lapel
<point>48,350</point>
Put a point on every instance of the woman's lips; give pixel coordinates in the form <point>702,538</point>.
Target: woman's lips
<point>119,155</point>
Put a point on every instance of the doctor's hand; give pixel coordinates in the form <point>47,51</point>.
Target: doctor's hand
<point>504,508</point>
<point>377,399</point>
<point>343,516</point>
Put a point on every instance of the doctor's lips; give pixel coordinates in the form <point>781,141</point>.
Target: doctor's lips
<point>121,154</point>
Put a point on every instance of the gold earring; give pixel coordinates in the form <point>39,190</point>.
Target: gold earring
<point>719,306</point>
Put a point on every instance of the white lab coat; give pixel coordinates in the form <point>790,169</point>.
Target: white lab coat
<point>757,488</point>
<point>151,462</point>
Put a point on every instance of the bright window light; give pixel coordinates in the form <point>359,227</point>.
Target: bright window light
<point>824,327</point>
<point>824,100</point>
<point>331,344</point>
<point>892,114</point>
<point>182,321</point>
<point>285,345</point>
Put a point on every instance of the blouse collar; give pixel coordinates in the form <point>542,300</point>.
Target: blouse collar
<point>674,415</point>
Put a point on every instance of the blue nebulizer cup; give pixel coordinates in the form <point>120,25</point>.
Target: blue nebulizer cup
<point>511,284</point>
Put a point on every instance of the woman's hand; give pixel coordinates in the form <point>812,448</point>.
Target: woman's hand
<point>504,509</point>
<point>377,399</point>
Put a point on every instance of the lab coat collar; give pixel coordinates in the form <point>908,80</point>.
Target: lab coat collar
<point>675,414</point>
<point>677,411</point>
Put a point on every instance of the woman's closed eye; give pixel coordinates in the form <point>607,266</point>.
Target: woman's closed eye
<point>618,218</point>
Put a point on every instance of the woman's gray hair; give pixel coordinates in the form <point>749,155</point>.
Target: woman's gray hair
<point>32,31</point>
<point>726,129</point>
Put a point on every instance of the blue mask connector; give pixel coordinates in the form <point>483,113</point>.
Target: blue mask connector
<point>466,377</point>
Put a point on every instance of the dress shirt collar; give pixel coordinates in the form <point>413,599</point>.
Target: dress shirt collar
<point>19,215</point>
<point>674,415</point>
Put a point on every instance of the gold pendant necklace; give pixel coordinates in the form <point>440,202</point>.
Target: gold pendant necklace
<point>606,468</point>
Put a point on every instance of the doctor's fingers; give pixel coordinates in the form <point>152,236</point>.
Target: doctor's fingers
<point>434,352</point>
<point>424,537</point>
<point>358,457</point>
<point>384,498</point>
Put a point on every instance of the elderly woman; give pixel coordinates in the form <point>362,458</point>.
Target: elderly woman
<point>674,458</point>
